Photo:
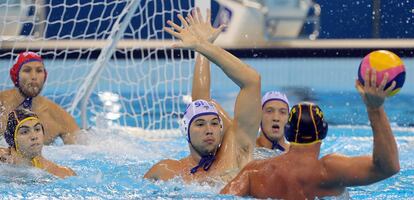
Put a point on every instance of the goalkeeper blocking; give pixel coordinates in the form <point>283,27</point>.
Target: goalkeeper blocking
<point>29,75</point>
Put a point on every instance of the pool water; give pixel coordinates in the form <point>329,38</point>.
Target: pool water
<point>111,163</point>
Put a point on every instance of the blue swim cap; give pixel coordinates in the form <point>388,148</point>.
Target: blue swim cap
<point>306,124</point>
<point>16,118</point>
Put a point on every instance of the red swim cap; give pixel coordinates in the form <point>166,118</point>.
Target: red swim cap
<point>23,58</point>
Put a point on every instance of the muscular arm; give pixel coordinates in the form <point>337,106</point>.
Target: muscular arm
<point>55,169</point>
<point>164,170</point>
<point>201,87</point>
<point>69,128</point>
<point>201,79</point>
<point>384,160</point>
<point>62,172</point>
<point>247,109</point>
<point>364,170</point>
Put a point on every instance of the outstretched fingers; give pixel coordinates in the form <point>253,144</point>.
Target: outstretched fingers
<point>208,19</point>
<point>199,16</point>
<point>190,19</point>
<point>367,80</point>
<point>383,82</point>
<point>183,21</point>
<point>389,90</point>
<point>172,32</point>
<point>175,26</point>
<point>373,78</point>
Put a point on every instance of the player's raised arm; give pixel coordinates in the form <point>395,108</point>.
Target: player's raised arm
<point>201,79</point>
<point>247,109</point>
<point>383,163</point>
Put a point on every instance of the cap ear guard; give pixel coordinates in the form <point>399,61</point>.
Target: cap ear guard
<point>289,133</point>
<point>184,128</point>
<point>10,128</point>
<point>323,132</point>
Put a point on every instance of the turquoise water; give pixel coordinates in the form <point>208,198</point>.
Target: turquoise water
<point>112,166</point>
<point>111,163</point>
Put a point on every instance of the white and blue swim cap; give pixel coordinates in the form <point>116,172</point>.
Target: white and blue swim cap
<point>275,96</point>
<point>196,109</point>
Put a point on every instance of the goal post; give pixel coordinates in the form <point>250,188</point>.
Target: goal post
<point>108,62</point>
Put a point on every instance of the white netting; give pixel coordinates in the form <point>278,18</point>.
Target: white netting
<point>141,86</point>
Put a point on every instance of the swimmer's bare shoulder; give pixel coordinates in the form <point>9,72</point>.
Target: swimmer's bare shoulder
<point>164,170</point>
<point>67,124</point>
<point>47,104</point>
<point>6,93</point>
<point>8,99</point>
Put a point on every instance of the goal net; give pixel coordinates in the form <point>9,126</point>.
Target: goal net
<point>108,62</point>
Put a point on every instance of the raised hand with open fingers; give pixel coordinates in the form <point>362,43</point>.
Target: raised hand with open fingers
<point>203,27</point>
<point>189,40</point>
<point>194,30</point>
<point>373,95</point>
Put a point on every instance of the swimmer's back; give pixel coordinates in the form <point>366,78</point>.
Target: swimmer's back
<point>291,177</point>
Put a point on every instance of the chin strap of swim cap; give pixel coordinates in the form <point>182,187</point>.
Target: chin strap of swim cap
<point>36,163</point>
<point>27,103</point>
<point>275,144</point>
<point>205,163</point>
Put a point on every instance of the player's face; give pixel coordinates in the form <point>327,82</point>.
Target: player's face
<point>31,78</point>
<point>274,118</point>
<point>205,133</point>
<point>29,138</point>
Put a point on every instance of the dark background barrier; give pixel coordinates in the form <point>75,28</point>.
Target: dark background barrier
<point>340,19</point>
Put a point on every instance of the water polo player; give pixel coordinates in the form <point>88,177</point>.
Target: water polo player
<point>275,111</point>
<point>24,135</point>
<point>300,174</point>
<point>29,75</point>
<point>219,146</point>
